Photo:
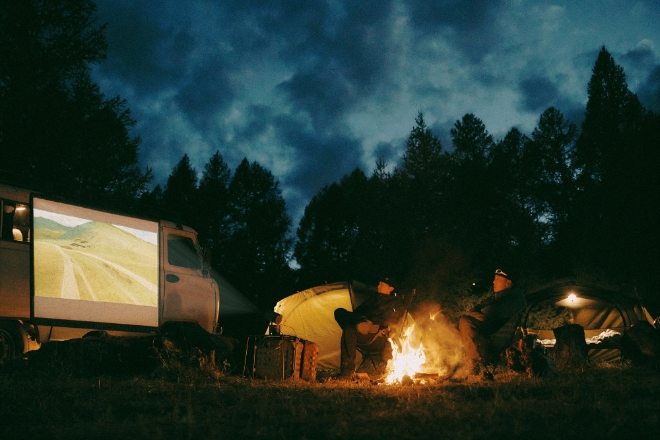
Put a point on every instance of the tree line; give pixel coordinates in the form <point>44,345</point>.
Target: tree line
<point>561,201</point>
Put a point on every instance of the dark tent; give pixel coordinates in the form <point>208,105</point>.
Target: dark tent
<point>605,313</point>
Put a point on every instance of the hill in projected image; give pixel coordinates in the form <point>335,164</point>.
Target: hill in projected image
<point>94,261</point>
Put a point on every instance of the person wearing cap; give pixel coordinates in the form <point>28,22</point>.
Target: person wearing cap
<point>486,318</point>
<point>368,326</point>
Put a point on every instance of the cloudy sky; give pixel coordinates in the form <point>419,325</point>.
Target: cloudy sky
<point>312,89</point>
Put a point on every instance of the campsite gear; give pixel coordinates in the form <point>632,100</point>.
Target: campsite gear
<point>310,315</point>
<point>570,351</point>
<point>280,357</point>
<point>526,355</point>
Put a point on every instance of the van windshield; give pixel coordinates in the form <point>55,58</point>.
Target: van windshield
<point>181,251</point>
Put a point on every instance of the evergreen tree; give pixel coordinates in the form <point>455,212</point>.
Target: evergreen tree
<point>517,209</point>
<point>613,113</point>
<point>58,133</point>
<point>553,139</point>
<point>180,194</point>
<point>214,203</point>
<point>472,142</point>
<point>258,247</point>
<point>472,198</point>
<point>608,158</point>
<point>422,180</point>
<point>330,232</point>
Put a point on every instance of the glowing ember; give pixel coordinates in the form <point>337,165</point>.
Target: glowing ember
<point>406,359</point>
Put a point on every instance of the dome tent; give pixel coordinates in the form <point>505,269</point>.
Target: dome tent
<point>309,315</point>
<point>606,314</point>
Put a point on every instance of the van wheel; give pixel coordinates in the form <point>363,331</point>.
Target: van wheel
<point>10,344</point>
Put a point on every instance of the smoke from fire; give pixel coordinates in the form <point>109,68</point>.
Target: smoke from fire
<point>440,339</point>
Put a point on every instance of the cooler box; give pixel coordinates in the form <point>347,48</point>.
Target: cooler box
<point>280,357</point>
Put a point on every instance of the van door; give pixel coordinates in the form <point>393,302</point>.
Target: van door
<point>188,294</point>
<point>14,259</point>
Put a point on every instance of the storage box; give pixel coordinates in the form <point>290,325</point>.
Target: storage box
<point>280,357</point>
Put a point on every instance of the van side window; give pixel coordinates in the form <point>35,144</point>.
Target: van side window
<point>181,251</point>
<point>15,221</point>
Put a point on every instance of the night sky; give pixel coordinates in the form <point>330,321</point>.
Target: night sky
<point>312,89</point>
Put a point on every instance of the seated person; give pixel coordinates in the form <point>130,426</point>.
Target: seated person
<point>488,317</point>
<point>369,324</point>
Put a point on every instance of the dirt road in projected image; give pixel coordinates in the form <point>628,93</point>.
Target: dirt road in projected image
<point>95,262</point>
<point>74,273</point>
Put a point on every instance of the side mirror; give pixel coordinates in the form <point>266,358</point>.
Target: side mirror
<point>206,260</point>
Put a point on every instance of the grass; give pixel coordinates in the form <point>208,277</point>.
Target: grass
<point>620,401</point>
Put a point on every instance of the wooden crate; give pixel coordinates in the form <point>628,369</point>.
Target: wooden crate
<point>280,357</point>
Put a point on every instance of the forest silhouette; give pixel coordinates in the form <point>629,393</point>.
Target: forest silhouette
<point>563,201</point>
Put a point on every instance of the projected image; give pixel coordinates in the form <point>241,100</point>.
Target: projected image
<point>79,258</point>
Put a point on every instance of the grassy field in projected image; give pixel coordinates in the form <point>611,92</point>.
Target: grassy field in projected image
<point>94,261</point>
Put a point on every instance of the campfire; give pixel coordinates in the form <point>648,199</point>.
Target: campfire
<point>424,350</point>
<point>407,360</point>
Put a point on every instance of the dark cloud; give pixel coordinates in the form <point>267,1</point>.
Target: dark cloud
<point>262,78</point>
<point>585,61</point>
<point>442,130</point>
<point>134,44</point>
<point>649,94</point>
<point>206,91</point>
<point>343,56</point>
<point>538,93</point>
<point>470,23</point>
<point>320,159</point>
<point>432,90</point>
<point>574,113</point>
<point>641,57</point>
<point>389,152</point>
<point>324,95</point>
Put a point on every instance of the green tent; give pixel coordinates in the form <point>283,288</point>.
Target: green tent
<point>605,313</point>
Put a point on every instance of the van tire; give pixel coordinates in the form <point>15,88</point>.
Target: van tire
<point>11,342</point>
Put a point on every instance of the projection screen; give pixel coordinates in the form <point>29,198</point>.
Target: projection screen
<point>92,266</point>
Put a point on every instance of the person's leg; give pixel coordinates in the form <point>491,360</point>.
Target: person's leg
<point>472,340</point>
<point>348,351</point>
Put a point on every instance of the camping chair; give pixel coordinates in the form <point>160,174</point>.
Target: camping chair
<point>372,356</point>
<point>499,341</point>
<point>372,352</point>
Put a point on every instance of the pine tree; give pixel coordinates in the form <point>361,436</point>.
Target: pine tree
<point>613,114</point>
<point>180,194</point>
<point>258,248</point>
<point>472,142</point>
<point>472,197</point>
<point>420,183</point>
<point>345,232</point>
<point>554,139</point>
<point>58,132</point>
<point>608,161</point>
<point>213,200</point>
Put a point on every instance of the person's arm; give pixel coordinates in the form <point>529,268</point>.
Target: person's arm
<point>505,306</point>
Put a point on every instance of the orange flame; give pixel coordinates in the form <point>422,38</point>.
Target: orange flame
<point>406,359</point>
